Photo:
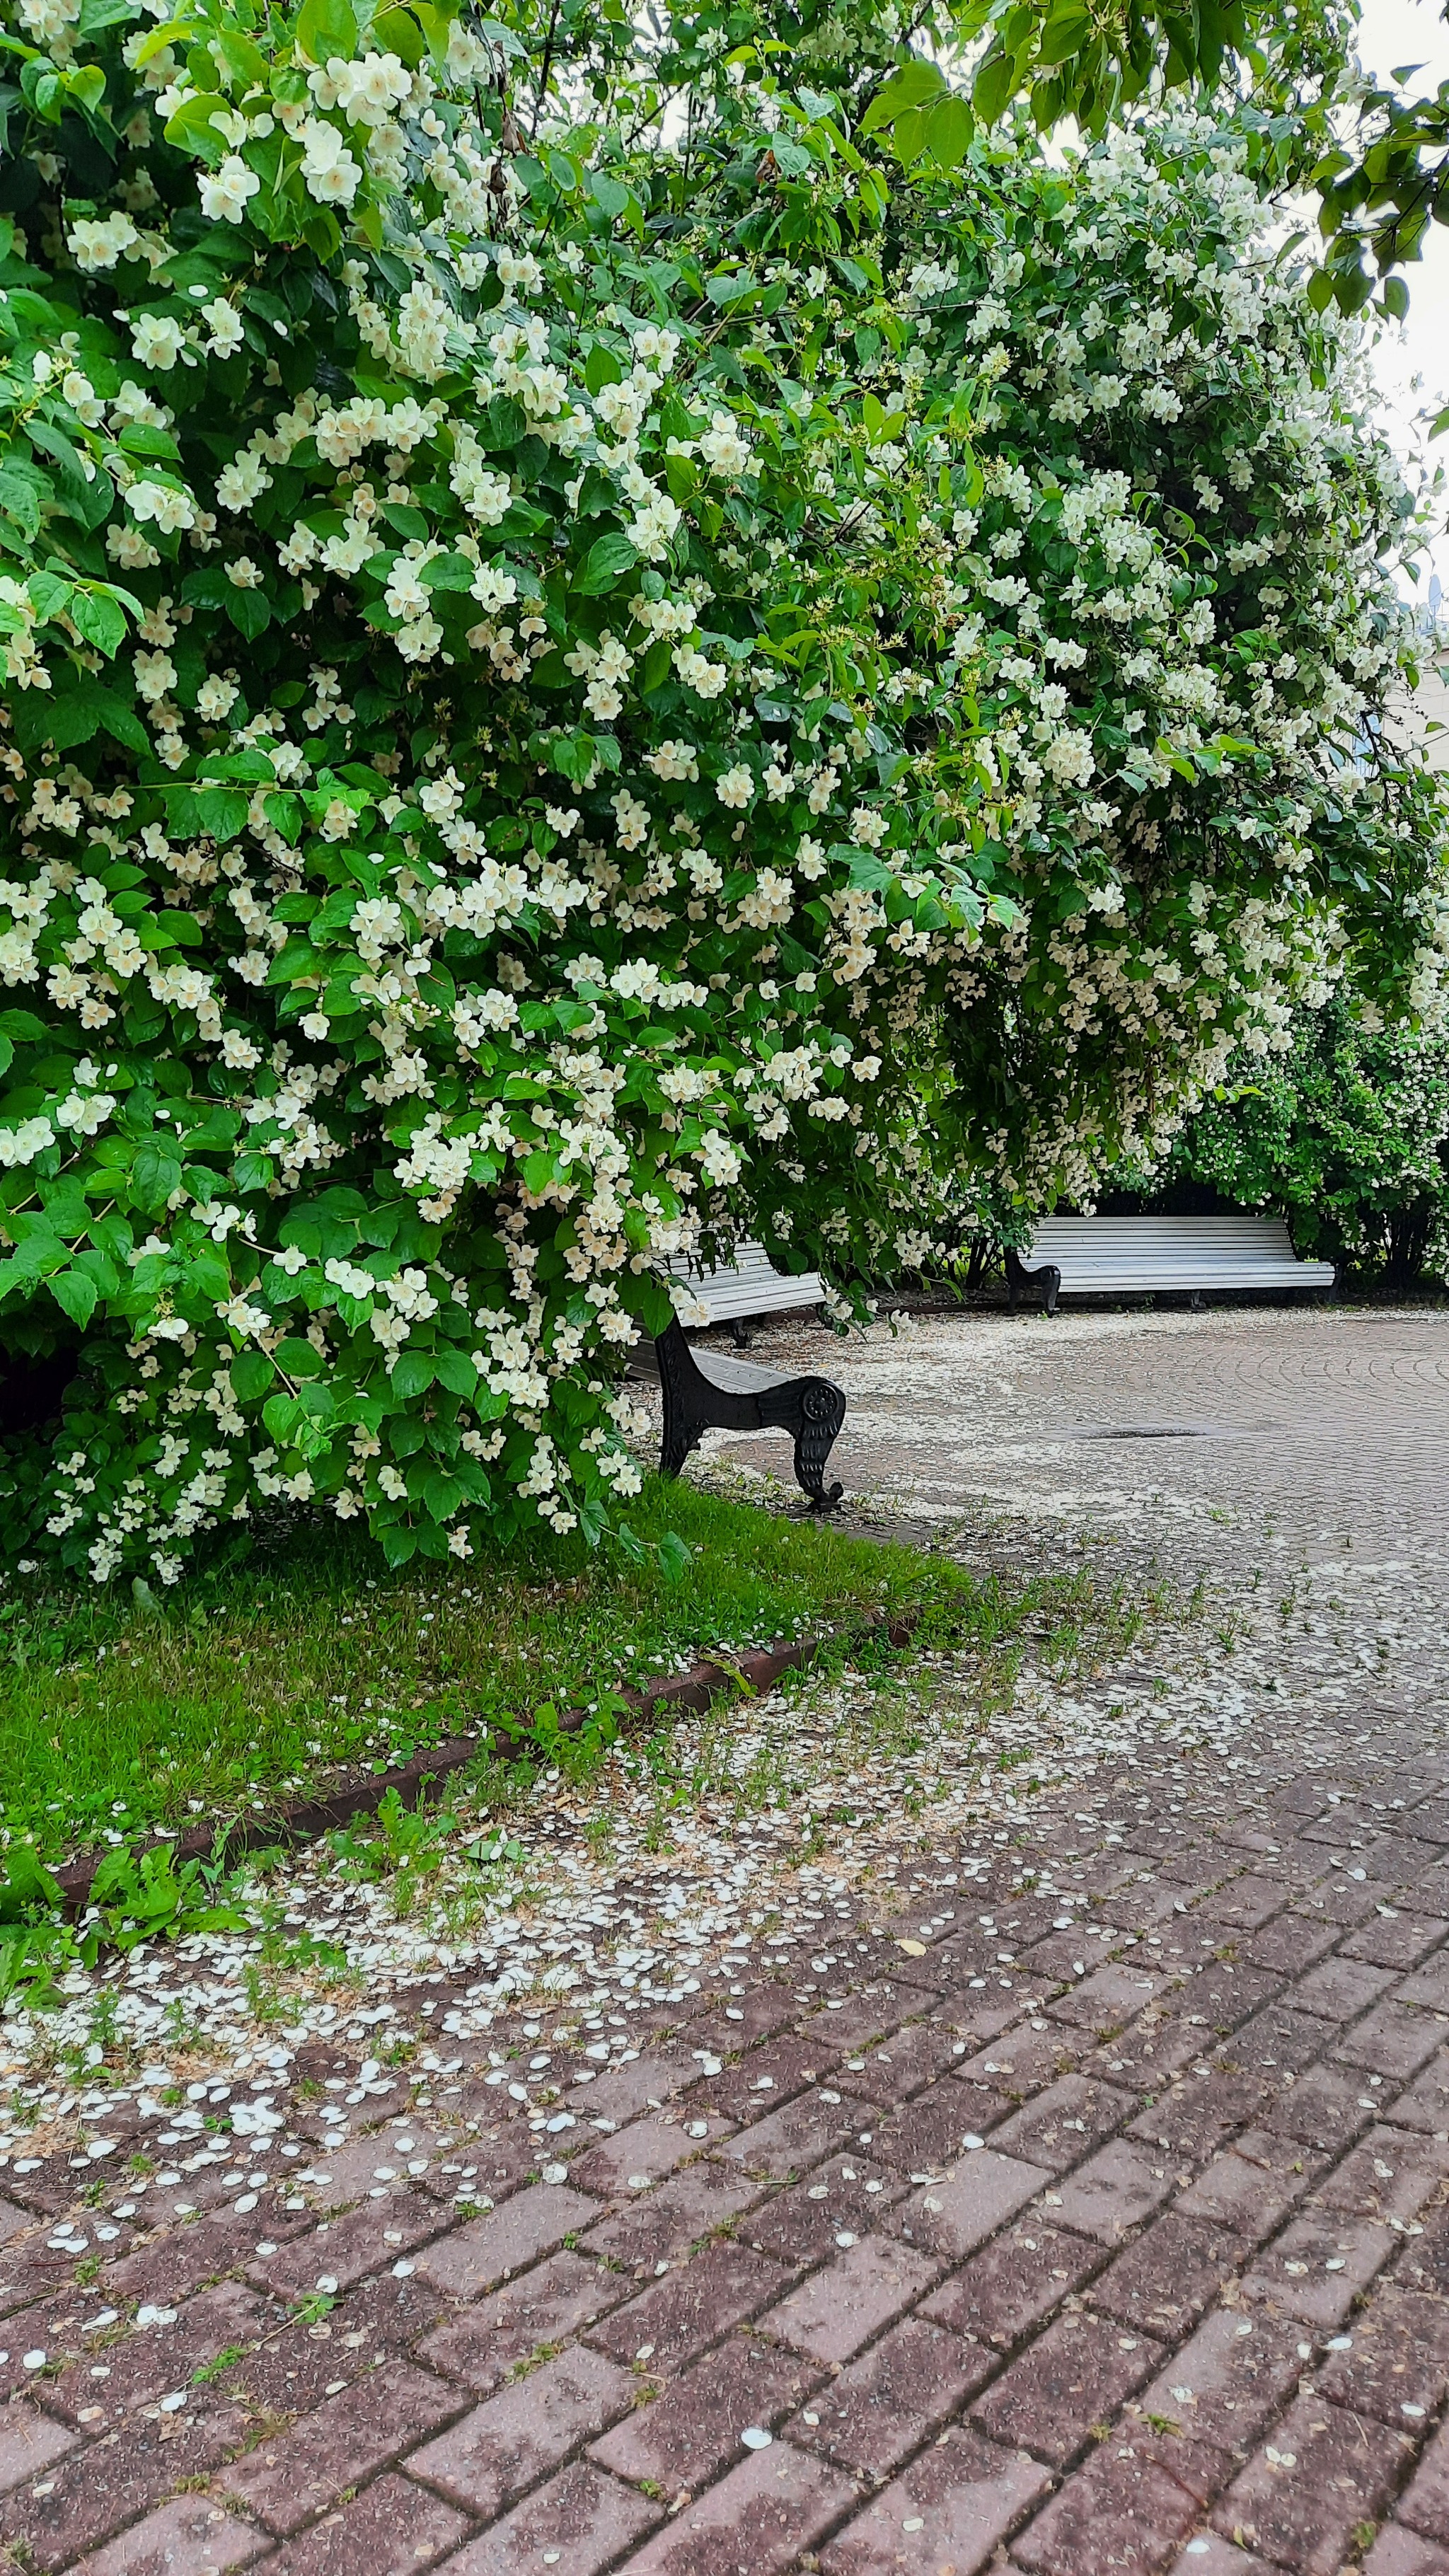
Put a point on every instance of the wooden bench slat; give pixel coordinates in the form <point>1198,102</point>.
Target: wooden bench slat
<point>749,1285</point>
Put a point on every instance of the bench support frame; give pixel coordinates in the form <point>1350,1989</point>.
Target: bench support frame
<point>1048,1278</point>
<point>809,1408</point>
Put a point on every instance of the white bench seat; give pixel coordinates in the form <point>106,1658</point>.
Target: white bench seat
<point>748,1285</point>
<point>1098,1255</point>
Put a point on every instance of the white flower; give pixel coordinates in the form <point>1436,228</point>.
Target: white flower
<point>99,245</point>
<point>157,340</point>
<point>225,329</point>
<point>367,92</point>
<point>226,192</point>
<point>329,171</point>
<point>243,574</point>
<point>735,787</point>
<point>654,527</point>
<point>723,448</point>
<point>163,503</point>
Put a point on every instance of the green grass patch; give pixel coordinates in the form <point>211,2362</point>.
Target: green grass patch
<point>251,1679</point>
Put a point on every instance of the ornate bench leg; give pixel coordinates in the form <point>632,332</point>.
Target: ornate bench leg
<point>1051,1279</point>
<point>822,1411</point>
<point>683,1420</point>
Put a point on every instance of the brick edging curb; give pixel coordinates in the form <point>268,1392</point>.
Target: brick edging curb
<point>309,1818</point>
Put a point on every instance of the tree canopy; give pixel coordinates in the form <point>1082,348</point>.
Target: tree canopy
<point>594,662</point>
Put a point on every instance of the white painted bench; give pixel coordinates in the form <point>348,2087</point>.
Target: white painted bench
<point>748,1285</point>
<point>1100,1255</point>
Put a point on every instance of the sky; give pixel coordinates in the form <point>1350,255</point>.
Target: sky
<point>1395,32</point>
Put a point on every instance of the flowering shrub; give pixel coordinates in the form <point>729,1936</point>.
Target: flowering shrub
<point>1348,1137</point>
<point>571,693</point>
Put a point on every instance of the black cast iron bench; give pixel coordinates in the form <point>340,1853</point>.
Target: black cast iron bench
<point>706,1391</point>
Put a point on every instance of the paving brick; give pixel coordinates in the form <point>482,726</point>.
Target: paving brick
<point>838,2309</point>
<point>1280,2041</point>
<point>929,2133</point>
<point>1397,1941</point>
<point>579,2523</point>
<point>1023,2060</point>
<point>1317,2267</point>
<point>672,2321</point>
<point>392,2529</point>
<point>29,2443</point>
<point>1325,2108</point>
<point>1398,2552</point>
<point>1341,1988</point>
<point>188,2537</point>
<point>512,2439</point>
<point>692,2431</point>
<point>1108,1998</point>
<point>1224,1994</point>
<point>1288,1944</point>
<point>1063,2124</point>
<point>1250,2187</point>
<point>1247,1902</point>
<point>474,2258</point>
<point>1424,2261</point>
<point>146,2366</point>
<point>1425,2105</point>
<point>1227,2380</point>
<point>1425,2506</point>
<point>1201,2112</point>
<point>1207,2555</point>
<point>954,2216</point>
<point>951,2508</point>
<point>298,2474</point>
<point>1013,2284</point>
<point>95,2489</point>
<point>784,2499</point>
<point>1398,2364</point>
<point>1073,2376</point>
<point>368,2239</point>
<point>800,2224</point>
<point>1394,2041</point>
<point>746,2018</point>
<point>1393,2174</point>
<point>1128,2507</point>
<point>644,2085</point>
<point>1344,1900</point>
<point>1115,2190</point>
<point>642,2154</point>
<point>1343,2468</point>
<point>1173,2271</point>
<point>659,2224</point>
<point>900,2064</point>
<point>884,2406</point>
<point>792,2139</point>
<point>550,2304</point>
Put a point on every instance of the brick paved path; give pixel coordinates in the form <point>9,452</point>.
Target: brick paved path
<point>1110,2230</point>
<point>1090,2215</point>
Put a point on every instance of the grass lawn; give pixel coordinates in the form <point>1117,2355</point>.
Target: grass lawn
<point>249,1680</point>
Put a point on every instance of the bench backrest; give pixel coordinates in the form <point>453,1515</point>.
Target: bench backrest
<point>749,1285</point>
<point>1173,1252</point>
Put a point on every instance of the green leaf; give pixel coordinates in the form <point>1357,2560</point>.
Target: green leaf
<point>608,557</point>
<point>413,1374</point>
<point>251,1375</point>
<point>155,1173</point>
<point>328,27</point>
<point>949,129</point>
<point>191,129</point>
<point>76,1295</point>
<point>914,85</point>
<point>98,616</point>
<point>455,1371</point>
